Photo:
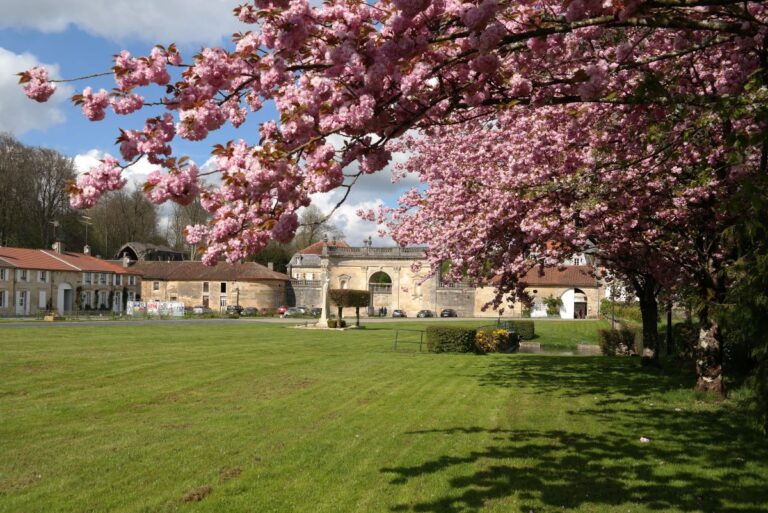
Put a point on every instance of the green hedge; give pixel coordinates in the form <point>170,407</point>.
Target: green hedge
<point>621,342</point>
<point>523,328</point>
<point>685,336</point>
<point>445,339</point>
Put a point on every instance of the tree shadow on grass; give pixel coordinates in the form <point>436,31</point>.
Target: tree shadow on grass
<point>703,460</point>
<point>575,376</point>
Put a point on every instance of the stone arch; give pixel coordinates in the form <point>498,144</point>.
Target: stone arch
<point>380,278</point>
<point>575,304</point>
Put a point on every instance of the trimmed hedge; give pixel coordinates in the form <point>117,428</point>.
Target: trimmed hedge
<point>685,336</point>
<point>446,339</point>
<point>619,342</point>
<point>523,328</point>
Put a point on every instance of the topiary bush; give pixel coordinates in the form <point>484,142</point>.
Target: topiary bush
<point>619,342</point>
<point>448,339</point>
<point>523,328</point>
<point>685,336</point>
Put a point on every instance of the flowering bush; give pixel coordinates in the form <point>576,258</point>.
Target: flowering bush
<point>491,341</point>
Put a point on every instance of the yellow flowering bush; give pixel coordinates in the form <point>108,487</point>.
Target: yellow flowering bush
<point>490,341</point>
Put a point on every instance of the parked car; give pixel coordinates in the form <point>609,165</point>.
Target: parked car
<point>449,312</point>
<point>424,313</point>
<point>302,309</point>
<point>281,309</point>
<point>200,309</point>
<point>234,309</point>
<point>398,313</point>
<point>317,312</point>
<point>250,312</point>
<point>292,311</point>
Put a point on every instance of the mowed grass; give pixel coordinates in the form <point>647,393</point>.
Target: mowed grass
<point>247,417</point>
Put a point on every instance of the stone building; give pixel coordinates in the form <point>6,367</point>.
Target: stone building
<point>388,273</point>
<point>245,284</point>
<point>34,281</point>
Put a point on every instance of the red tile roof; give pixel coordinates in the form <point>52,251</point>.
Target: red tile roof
<point>88,263</point>
<point>24,258</point>
<point>317,247</point>
<point>197,271</point>
<point>569,276</point>
<point>46,260</point>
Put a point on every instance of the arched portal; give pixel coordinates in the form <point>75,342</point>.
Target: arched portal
<point>380,287</point>
<point>574,304</point>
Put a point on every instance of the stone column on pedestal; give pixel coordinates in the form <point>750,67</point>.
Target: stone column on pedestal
<point>324,299</point>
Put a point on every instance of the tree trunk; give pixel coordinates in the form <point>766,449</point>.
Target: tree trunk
<point>709,357</point>
<point>649,311</point>
<point>357,316</point>
<point>670,342</point>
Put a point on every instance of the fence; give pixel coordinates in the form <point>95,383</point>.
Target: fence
<point>409,337</point>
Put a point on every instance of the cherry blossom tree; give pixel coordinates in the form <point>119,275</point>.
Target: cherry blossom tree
<point>646,97</point>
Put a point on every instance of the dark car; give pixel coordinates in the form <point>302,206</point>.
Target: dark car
<point>449,312</point>
<point>398,313</point>
<point>424,313</point>
<point>234,309</point>
<point>316,311</point>
<point>250,312</point>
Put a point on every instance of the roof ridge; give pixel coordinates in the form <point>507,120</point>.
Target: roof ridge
<point>45,252</point>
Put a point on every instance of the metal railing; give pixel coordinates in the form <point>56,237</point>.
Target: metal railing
<point>407,337</point>
<point>381,288</point>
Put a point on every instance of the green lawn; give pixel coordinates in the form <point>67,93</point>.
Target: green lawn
<point>264,418</point>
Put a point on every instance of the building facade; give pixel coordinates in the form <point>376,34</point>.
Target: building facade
<point>246,284</point>
<point>401,278</point>
<point>35,281</point>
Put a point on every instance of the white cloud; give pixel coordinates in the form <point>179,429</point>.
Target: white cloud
<point>180,21</point>
<point>19,114</point>
<point>352,226</point>
<point>136,174</point>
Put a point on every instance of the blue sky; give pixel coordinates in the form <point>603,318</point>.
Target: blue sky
<point>77,37</point>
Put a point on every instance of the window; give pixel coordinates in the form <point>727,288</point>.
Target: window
<point>131,280</point>
<point>42,276</point>
<point>22,276</point>
<point>222,302</point>
<point>87,278</point>
<point>22,298</point>
<point>223,287</point>
<point>118,279</point>
<point>205,287</point>
<point>103,278</point>
<point>3,274</point>
<point>155,285</point>
<point>3,299</point>
<point>206,301</point>
<point>310,276</point>
<point>174,298</point>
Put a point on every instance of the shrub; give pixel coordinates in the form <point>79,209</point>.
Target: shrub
<point>490,341</point>
<point>685,336</point>
<point>523,328</point>
<point>619,342</point>
<point>332,323</point>
<point>553,305</point>
<point>445,339</point>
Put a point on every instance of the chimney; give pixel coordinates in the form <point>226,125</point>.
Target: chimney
<point>271,266</point>
<point>87,250</point>
<point>58,247</point>
<point>126,260</point>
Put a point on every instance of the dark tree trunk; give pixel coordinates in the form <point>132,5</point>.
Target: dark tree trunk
<point>647,289</point>
<point>670,342</point>
<point>357,316</point>
<point>649,311</point>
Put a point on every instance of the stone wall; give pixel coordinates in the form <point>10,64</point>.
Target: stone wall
<point>260,294</point>
<point>460,299</point>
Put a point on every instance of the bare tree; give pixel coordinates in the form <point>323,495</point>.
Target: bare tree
<point>314,225</point>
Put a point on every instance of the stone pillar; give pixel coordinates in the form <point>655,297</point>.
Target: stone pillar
<point>325,303</point>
